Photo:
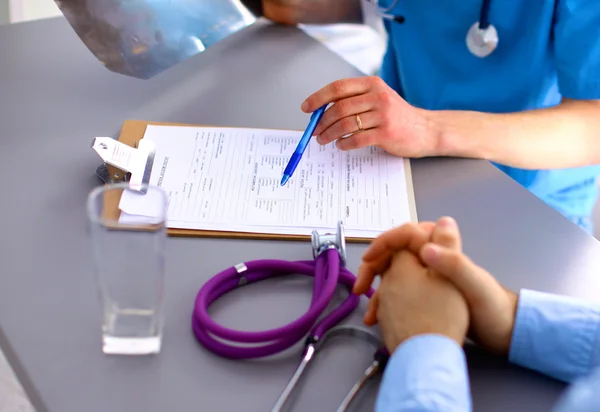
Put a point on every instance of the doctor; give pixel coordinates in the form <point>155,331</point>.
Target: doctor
<point>431,294</point>
<point>511,81</point>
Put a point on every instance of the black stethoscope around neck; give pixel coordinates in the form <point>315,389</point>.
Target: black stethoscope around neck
<point>482,37</point>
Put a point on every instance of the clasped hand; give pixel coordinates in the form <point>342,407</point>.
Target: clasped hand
<point>429,286</point>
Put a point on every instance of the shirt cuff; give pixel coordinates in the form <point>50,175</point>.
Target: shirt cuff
<point>556,335</point>
<point>425,373</point>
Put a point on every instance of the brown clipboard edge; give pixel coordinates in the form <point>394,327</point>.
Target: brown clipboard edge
<point>134,130</point>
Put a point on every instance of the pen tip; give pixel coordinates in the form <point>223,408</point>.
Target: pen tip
<point>284,179</point>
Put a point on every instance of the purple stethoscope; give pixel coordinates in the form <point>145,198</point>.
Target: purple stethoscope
<point>328,270</point>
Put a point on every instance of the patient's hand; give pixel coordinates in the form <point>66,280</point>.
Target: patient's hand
<point>378,257</point>
<point>414,300</point>
<point>492,307</point>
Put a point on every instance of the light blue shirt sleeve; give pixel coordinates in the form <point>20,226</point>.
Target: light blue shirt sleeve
<point>427,373</point>
<point>581,396</point>
<point>556,335</point>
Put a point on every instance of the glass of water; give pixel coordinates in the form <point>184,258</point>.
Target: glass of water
<point>128,235</point>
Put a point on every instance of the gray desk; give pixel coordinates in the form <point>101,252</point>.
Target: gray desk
<point>54,97</point>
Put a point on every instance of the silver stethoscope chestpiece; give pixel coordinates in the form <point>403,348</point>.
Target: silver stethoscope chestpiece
<point>482,42</point>
<point>323,242</point>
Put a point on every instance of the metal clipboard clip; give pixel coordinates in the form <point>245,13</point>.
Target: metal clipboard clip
<point>123,163</point>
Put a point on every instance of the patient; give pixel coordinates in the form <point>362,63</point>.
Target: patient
<point>432,295</point>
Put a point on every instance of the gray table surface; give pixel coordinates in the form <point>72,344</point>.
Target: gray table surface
<point>55,97</point>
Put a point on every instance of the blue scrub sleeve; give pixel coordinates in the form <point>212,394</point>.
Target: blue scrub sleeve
<point>577,48</point>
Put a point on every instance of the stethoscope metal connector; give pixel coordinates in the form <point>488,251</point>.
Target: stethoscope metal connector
<point>328,241</point>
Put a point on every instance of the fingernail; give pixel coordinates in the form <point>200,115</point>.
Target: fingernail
<point>430,251</point>
<point>447,222</point>
<point>305,106</point>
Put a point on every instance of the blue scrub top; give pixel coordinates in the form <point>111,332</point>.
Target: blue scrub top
<point>547,49</point>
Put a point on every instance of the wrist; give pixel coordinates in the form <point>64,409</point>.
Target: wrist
<point>286,14</point>
<point>433,130</point>
<point>450,134</point>
<point>293,12</point>
<point>495,333</point>
<point>513,303</point>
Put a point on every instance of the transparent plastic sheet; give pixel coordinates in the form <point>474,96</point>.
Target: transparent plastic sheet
<point>142,38</point>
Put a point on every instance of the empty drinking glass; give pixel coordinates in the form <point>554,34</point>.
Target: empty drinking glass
<point>128,234</point>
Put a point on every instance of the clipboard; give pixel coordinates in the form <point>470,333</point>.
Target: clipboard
<point>132,134</point>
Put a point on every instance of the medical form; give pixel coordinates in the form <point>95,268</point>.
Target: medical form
<point>220,178</point>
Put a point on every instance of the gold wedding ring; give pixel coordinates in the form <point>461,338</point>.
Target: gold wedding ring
<point>359,123</point>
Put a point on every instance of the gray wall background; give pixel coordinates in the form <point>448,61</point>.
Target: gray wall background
<point>4,12</point>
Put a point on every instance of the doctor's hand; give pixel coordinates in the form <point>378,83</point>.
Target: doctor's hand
<point>373,114</point>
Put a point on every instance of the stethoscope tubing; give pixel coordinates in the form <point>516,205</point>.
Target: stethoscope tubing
<point>484,13</point>
<point>328,273</point>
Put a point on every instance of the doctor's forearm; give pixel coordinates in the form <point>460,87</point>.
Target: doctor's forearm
<point>564,136</point>
<point>311,11</point>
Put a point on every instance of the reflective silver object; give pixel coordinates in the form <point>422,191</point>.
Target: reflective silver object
<point>311,350</point>
<point>324,242</point>
<point>142,38</point>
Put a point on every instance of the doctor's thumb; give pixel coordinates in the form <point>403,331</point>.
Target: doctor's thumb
<point>455,266</point>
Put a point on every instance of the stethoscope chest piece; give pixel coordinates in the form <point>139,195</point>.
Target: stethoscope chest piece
<point>323,242</point>
<point>482,42</point>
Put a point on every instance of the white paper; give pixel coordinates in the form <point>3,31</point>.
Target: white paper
<point>128,219</point>
<point>228,179</point>
<point>150,204</point>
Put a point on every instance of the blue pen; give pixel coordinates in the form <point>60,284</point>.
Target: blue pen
<point>315,118</point>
